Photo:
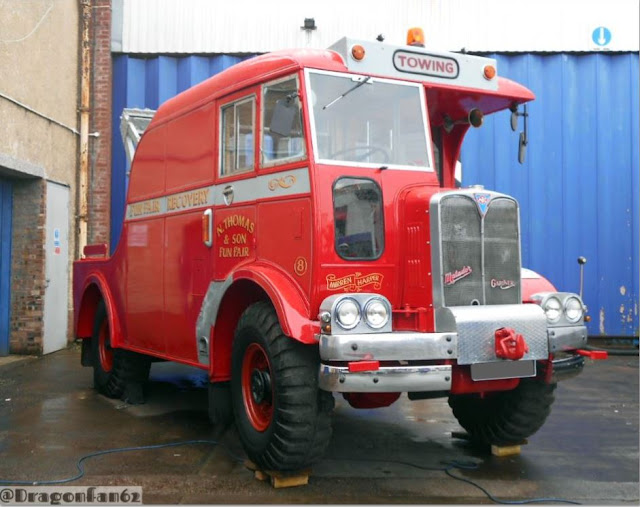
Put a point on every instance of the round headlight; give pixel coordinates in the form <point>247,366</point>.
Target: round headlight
<point>348,313</point>
<point>376,313</point>
<point>553,309</point>
<point>573,309</point>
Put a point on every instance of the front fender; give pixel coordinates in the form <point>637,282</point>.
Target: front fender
<point>290,303</point>
<point>533,283</point>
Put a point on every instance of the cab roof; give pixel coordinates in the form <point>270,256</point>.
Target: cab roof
<point>249,72</point>
<point>443,98</point>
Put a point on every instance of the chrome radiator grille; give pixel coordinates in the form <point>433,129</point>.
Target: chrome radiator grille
<point>476,240</point>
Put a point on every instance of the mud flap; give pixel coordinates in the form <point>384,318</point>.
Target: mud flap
<point>85,353</point>
<point>220,409</point>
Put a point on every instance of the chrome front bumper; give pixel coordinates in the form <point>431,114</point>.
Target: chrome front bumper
<point>413,346</point>
<point>399,346</point>
<point>566,338</point>
<point>391,379</point>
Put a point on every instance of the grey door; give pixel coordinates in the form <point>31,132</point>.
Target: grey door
<point>57,268</point>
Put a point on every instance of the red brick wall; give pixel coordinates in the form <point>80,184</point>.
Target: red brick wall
<point>100,175</point>
<point>28,266</point>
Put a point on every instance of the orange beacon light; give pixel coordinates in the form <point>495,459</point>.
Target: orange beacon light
<point>415,37</point>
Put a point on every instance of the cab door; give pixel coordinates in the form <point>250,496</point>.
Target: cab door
<point>236,191</point>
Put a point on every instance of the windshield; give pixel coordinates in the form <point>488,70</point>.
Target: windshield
<point>368,121</point>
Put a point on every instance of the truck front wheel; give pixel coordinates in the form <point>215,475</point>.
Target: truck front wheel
<point>504,418</point>
<point>113,368</point>
<point>282,417</point>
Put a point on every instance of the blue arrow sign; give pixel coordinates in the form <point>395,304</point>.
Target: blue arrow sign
<point>601,36</point>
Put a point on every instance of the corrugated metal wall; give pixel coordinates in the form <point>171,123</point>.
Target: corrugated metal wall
<point>578,189</point>
<point>247,26</point>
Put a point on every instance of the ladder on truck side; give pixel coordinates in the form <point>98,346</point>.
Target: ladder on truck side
<point>133,123</point>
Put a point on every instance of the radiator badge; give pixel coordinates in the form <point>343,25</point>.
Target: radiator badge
<point>502,284</point>
<point>482,200</point>
<point>451,278</point>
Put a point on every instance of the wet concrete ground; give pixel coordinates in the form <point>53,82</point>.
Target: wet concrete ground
<point>50,416</point>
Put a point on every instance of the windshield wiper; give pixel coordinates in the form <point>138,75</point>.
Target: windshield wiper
<point>354,87</point>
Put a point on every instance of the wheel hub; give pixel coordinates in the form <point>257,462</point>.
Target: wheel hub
<point>257,387</point>
<point>260,386</point>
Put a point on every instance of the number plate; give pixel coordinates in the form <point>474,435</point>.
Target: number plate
<point>503,369</point>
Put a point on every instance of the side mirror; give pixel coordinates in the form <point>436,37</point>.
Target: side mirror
<point>514,121</point>
<point>524,140</point>
<point>522,148</point>
<point>283,115</point>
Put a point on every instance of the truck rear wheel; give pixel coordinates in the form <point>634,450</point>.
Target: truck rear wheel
<point>507,417</point>
<point>283,418</point>
<point>113,368</point>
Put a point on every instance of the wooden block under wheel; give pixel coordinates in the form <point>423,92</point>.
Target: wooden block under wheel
<point>507,450</point>
<point>289,480</point>
<point>279,479</point>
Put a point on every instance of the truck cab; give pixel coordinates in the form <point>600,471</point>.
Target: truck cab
<point>294,228</point>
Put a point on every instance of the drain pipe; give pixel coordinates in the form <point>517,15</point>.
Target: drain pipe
<point>85,103</point>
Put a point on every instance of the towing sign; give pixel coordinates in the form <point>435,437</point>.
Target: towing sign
<point>426,64</point>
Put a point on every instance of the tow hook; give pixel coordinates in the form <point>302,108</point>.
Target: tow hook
<point>509,344</point>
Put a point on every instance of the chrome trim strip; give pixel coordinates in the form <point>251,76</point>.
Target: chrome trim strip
<point>386,379</point>
<point>396,346</point>
<point>264,186</point>
<point>207,317</point>
<point>437,271</point>
<point>483,276</point>
<point>280,184</point>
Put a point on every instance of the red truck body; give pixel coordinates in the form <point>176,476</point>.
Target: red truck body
<point>202,243</point>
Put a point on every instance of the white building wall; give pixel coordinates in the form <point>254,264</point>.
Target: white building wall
<point>250,26</point>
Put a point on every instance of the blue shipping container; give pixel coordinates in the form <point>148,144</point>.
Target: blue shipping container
<point>578,189</point>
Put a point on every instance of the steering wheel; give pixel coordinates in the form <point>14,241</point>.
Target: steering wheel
<point>368,150</point>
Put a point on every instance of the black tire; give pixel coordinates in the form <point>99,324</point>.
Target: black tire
<point>282,417</point>
<point>504,418</point>
<point>114,369</point>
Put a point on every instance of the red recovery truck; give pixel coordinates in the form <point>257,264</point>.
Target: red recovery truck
<point>293,227</point>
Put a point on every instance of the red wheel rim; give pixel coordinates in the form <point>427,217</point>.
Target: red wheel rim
<point>256,387</point>
<point>104,347</point>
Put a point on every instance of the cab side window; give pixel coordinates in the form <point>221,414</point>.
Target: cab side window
<point>282,134</point>
<point>358,216</point>
<point>238,131</point>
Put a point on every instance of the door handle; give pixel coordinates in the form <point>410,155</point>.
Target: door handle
<point>227,194</point>
<point>207,227</point>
